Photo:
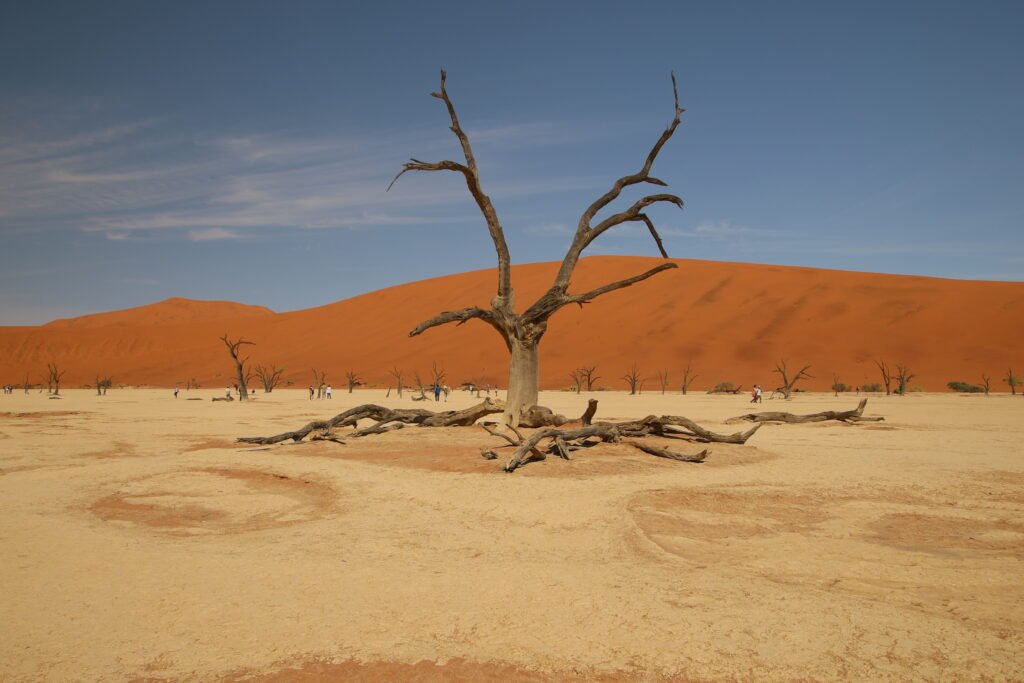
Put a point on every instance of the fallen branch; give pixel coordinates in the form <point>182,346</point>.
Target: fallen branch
<point>671,425</point>
<point>666,453</point>
<point>384,416</point>
<point>848,416</point>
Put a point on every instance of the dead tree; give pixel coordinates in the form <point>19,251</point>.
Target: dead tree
<point>353,380</point>
<point>903,377</point>
<point>663,380</point>
<point>1012,380</point>
<point>382,417</point>
<point>240,369</point>
<point>985,382</point>
<point>397,374</point>
<point>526,449</point>
<point>269,377</point>
<point>437,374</point>
<point>589,377</point>
<point>577,380</point>
<point>422,396</point>
<point>836,384</point>
<point>522,332</point>
<point>787,384</point>
<point>102,385</point>
<point>850,416</point>
<point>633,379</point>
<point>563,442</point>
<point>688,377</point>
<point>26,385</point>
<point>319,381</point>
<point>55,375</point>
<point>886,376</point>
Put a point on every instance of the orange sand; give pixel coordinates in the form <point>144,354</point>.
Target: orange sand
<point>731,320</point>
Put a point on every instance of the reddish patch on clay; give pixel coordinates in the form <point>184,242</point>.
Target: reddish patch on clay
<point>452,671</point>
<point>203,502</point>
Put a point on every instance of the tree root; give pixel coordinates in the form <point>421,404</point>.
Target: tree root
<point>848,416</point>
<point>564,441</point>
<point>384,417</point>
<point>527,449</point>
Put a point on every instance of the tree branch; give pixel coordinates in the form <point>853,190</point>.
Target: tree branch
<point>553,300</point>
<point>587,297</point>
<point>460,316</point>
<point>469,171</point>
<point>583,229</point>
<point>630,214</point>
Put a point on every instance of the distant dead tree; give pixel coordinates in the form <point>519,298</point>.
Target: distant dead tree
<point>240,369</point>
<point>788,383</point>
<point>903,377</point>
<point>422,395</point>
<point>319,381</point>
<point>102,384</point>
<point>663,380</point>
<point>985,382</point>
<point>836,384</point>
<point>26,384</point>
<point>886,376</point>
<point>688,377</point>
<point>437,375</point>
<point>191,384</point>
<point>589,376</point>
<point>522,332</point>
<point>270,377</point>
<point>397,374</point>
<point>55,375</point>
<point>577,379</point>
<point>353,380</point>
<point>1012,380</point>
<point>633,379</point>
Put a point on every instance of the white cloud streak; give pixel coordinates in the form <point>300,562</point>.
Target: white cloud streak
<point>128,180</point>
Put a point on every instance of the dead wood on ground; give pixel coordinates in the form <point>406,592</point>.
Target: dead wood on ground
<point>848,416</point>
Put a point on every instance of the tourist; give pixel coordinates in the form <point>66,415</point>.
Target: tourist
<point>330,391</point>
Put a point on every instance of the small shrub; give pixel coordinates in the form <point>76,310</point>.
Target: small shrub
<point>722,387</point>
<point>965,388</point>
<point>839,386</point>
<point>871,387</point>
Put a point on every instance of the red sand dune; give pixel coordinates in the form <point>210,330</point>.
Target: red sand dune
<point>732,321</point>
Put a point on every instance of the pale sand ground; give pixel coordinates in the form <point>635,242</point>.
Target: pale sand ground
<point>138,542</point>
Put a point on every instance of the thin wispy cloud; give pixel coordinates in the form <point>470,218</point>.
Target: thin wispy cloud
<point>213,235</point>
<point>119,183</point>
<point>720,230</point>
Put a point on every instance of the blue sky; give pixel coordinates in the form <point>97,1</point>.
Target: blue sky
<point>240,150</point>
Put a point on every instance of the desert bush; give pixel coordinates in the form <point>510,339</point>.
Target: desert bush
<point>875,386</point>
<point>722,387</point>
<point>965,388</point>
<point>839,386</point>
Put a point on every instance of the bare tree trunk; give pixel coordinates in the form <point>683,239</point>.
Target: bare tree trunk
<point>886,376</point>
<point>522,331</point>
<point>233,347</point>
<point>523,376</point>
<point>688,377</point>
